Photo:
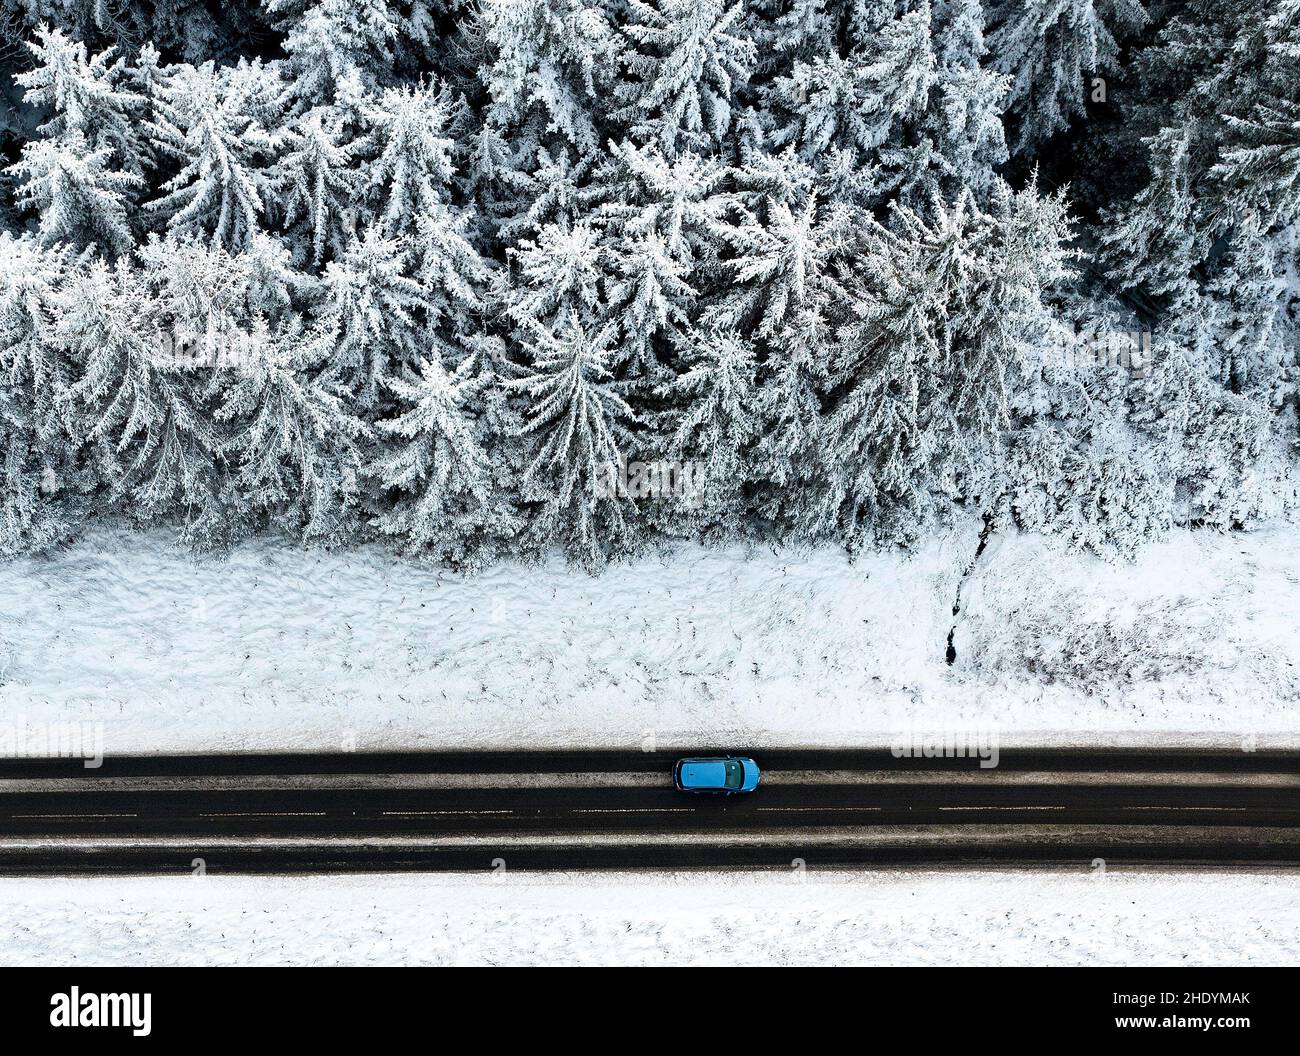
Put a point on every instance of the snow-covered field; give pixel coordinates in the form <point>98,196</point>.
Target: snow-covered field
<point>277,647</point>
<point>933,918</point>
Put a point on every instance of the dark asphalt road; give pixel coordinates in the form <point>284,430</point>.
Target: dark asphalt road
<point>600,809</point>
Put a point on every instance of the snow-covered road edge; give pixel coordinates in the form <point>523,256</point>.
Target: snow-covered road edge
<point>937,918</point>
<point>276,648</point>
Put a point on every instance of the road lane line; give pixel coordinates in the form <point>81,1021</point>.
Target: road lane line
<point>633,810</point>
<point>264,814</point>
<point>421,813</point>
<point>805,810</point>
<point>43,816</point>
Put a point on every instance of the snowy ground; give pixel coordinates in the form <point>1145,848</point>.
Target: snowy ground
<point>1012,918</point>
<point>276,647</point>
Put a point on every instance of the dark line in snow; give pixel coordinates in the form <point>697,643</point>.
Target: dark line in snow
<point>970,568</point>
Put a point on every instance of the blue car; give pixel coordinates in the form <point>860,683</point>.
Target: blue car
<point>726,774</point>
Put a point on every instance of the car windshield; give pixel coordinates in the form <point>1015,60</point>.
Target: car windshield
<point>735,773</point>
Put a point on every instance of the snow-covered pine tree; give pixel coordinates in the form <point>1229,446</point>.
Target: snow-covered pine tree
<point>36,509</point>
<point>944,134</point>
<point>444,460</point>
<point>196,295</point>
<point>451,505</point>
<point>880,433</point>
<point>457,282</point>
<point>318,182</point>
<point>785,295</point>
<point>551,191</point>
<point>329,40</point>
<point>274,289</point>
<point>544,66</point>
<point>90,99</point>
<point>947,316</point>
<point>783,260</point>
<point>1052,50</point>
<point>1095,482</point>
<point>577,425</point>
<point>31,356</point>
<point>82,170</point>
<point>1221,153</point>
<point>686,202</point>
<point>412,149</point>
<point>80,198</point>
<point>559,280</point>
<point>664,227</point>
<point>964,119</point>
<point>1156,241</point>
<point>204,120</point>
<point>1252,323</point>
<point>1259,166</point>
<point>137,411</point>
<point>206,299</point>
<point>999,313</point>
<point>292,441</point>
<point>32,516</point>
<point>857,102</point>
<point>1212,444</point>
<point>649,298</point>
<point>713,423</point>
<point>368,320</point>
<point>685,60</point>
<point>785,30</point>
<point>549,64</point>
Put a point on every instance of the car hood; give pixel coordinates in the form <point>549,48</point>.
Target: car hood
<point>751,776</point>
<point>703,774</point>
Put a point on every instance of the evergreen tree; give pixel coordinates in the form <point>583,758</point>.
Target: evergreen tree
<point>855,102</point>
<point>318,185</point>
<point>548,63</point>
<point>369,317</point>
<point>413,162</point>
<point>451,505</point>
<point>330,40</point>
<point>203,121</point>
<point>31,356</point>
<point>685,60</point>
<point>1052,50</point>
<point>964,120</point>
<point>559,280</point>
<point>80,199</point>
<point>36,459</point>
<point>1260,157</point>
<point>783,262</point>
<point>89,98</point>
<point>138,412</point>
<point>292,443</point>
<point>577,424</point>
<point>713,423</point>
<point>663,228</point>
<point>951,315</point>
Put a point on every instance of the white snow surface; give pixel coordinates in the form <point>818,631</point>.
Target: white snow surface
<point>274,646</point>
<point>924,918</point>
